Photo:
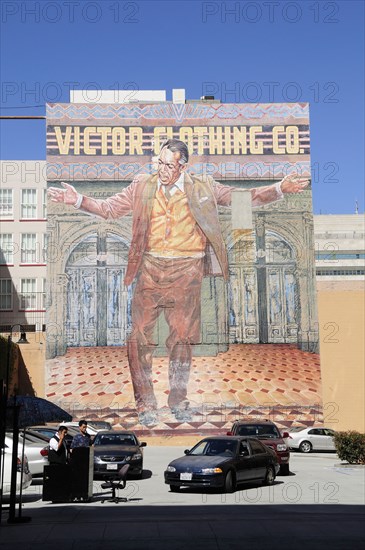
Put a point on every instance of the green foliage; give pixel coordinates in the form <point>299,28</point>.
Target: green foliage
<point>350,446</point>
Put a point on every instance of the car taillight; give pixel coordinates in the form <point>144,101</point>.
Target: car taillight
<point>19,465</point>
<point>44,452</point>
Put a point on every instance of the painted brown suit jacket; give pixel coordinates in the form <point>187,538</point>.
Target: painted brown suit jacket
<point>203,193</point>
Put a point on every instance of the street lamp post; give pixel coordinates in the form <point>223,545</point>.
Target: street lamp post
<point>2,438</point>
<point>4,398</point>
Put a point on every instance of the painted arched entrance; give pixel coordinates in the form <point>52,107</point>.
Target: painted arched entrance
<point>98,303</point>
<point>264,305</point>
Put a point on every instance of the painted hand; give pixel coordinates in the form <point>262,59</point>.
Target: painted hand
<point>67,195</point>
<point>294,184</point>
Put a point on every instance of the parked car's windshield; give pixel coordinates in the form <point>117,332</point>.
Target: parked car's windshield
<point>259,430</point>
<point>215,447</point>
<point>115,439</point>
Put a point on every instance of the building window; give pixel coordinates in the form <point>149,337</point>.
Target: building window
<point>29,204</point>
<point>28,295</point>
<point>6,295</point>
<point>6,248</point>
<point>6,203</point>
<point>29,248</point>
<point>43,295</point>
<point>331,256</point>
<point>44,204</point>
<point>44,247</point>
<point>339,272</point>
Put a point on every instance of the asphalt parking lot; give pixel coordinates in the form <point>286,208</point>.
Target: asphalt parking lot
<point>320,503</point>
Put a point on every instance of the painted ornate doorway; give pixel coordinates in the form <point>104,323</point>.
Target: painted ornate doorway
<point>264,305</point>
<point>98,303</point>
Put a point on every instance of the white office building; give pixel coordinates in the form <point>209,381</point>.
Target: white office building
<point>23,221</point>
<point>340,249</point>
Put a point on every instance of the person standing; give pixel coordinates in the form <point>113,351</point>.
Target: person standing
<point>57,447</point>
<point>82,439</point>
<point>176,240</point>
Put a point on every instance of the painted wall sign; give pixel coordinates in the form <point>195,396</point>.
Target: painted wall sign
<point>175,299</point>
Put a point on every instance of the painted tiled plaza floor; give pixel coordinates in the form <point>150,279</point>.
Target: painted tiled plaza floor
<point>273,380</point>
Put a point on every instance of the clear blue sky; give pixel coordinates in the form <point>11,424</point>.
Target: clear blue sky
<point>308,50</point>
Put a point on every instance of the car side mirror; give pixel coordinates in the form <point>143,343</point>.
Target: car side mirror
<point>187,451</point>
<point>285,435</point>
<point>229,433</point>
<point>143,444</point>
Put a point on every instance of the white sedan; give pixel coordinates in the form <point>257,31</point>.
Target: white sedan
<point>6,464</point>
<point>37,452</point>
<point>311,439</point>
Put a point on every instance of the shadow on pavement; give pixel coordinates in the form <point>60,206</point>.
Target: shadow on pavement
<point>132,526</point>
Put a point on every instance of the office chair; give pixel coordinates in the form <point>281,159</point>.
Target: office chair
<point>115,484</point>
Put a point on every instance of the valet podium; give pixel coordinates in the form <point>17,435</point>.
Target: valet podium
<point>57,483</point>
<point>66,482</point>
<point>82,472</point>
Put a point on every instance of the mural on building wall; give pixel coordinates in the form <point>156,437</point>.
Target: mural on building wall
<point>181,263</point>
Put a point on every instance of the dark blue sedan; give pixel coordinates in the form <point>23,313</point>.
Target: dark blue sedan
<point>222,463</point>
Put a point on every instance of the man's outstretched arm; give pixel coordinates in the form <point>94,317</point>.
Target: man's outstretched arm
<point>263,195</point>
<point>114,207</point>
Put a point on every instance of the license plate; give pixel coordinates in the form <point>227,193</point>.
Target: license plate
<point>186,476</point>
<point>112,466</point>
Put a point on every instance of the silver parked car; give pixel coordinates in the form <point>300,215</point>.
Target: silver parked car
<point>36,452</point>
<point>311,439</point>
<point>26,477</point>
<point>115,448</point>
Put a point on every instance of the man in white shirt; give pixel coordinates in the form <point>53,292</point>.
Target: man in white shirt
<point>57,447</point>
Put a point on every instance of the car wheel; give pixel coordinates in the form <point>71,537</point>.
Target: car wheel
<point>270,476</point>
<point>305,447</point>
<point>174,488</point>
<point>284,470</point>
<point>229,482</point>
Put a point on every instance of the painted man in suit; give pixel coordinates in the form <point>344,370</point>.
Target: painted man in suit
<point>176,239</point>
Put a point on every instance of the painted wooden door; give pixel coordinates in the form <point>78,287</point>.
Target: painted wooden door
<point>98,303</point>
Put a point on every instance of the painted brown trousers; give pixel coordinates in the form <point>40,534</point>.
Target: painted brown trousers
<point>171,287</point>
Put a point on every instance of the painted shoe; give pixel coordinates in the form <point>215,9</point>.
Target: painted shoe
<point>148,418</point>
<point>182,415</point>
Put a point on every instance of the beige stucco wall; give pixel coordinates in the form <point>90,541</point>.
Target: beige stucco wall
<point>34,358</point>
<point>342,329</point>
